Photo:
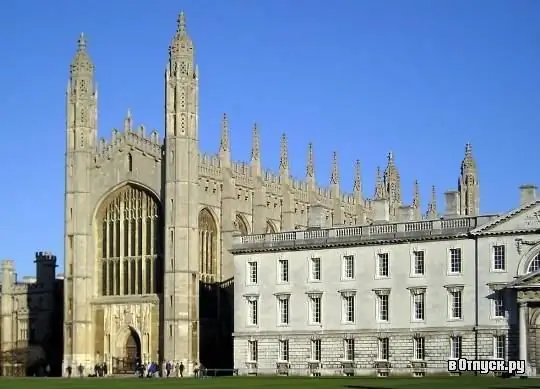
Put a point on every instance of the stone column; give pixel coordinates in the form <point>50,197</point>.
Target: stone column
<point>523,328</point>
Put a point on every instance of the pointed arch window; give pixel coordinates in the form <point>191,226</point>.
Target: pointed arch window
<point>129,243</point>
<point>130,162</point>
<point>270,229</point>
<point>208,265</point>
<point>241,225</point>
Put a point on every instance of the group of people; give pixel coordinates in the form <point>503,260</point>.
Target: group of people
<point>146,370</point>
<point>169,369</point>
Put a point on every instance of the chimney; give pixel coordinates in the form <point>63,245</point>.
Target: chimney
<point>527,194</point>
<point>316,216</point>
<point>405,213</point>
<point>452,203</point>
<point>381,210</point>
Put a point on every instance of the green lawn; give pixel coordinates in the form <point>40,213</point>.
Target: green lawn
<point>469,382</point>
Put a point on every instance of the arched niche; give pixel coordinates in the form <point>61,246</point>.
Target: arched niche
<point>129,242</point>
<point>208,233</point>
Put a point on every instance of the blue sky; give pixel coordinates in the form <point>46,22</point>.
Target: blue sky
<point>419,78</point>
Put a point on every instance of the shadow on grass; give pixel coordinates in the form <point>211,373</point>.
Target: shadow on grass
<point>365,387</point>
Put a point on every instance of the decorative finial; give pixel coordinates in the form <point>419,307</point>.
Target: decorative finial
<point>284,153</point>
<point>390,157</point>
<point>357,186</point>
<point>181,23</point>
<point>255,144</point>
<point>334,178</point>
<point>310,169</point>
<point>81,43</point>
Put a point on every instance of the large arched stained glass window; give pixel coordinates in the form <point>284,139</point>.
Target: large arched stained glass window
<point>129,243</point>
<point>208,254</point>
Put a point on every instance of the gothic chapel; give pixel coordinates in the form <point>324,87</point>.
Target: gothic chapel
<point>148,225</point>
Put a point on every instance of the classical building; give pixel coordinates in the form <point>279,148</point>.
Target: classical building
<point>31,318</point>
<point>391,297</point>
<point>149,223</point>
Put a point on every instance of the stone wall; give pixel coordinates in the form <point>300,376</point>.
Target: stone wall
<point>437,350</point>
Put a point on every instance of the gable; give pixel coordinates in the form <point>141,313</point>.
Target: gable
<point>523,219</point>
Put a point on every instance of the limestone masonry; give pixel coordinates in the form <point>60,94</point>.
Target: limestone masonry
<point>151,226</point>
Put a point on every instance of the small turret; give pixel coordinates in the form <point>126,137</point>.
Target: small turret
<point>45,267</point>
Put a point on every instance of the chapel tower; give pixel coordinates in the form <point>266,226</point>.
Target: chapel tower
<point>81,133</point>
<point>180,335</point>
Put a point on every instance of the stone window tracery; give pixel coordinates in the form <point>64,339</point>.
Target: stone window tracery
<point>534,265</point>
<point>129,240</point>
<point>240,225</point>
<point>207,246</point>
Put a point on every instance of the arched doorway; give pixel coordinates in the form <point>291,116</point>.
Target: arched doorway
<point>129,353</point>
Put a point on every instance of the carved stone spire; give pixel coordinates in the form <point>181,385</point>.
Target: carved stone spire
<point>310,168</point>
<point>334,177</point>
<point>224,145</point>
<point>255,144</point>
<point>379,185</point>
<point>181,45</point>
<point>416,200</point>
<point>357,186</point>
<point>82,64</point>
<point>432,205</point>
<point>284,154</point>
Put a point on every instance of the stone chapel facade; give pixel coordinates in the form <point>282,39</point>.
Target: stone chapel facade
<point>149,223</point>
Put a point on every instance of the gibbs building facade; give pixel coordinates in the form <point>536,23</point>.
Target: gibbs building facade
<point>149,224</point>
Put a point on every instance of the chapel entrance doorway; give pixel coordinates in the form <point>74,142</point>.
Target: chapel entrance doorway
<point>130,354</point>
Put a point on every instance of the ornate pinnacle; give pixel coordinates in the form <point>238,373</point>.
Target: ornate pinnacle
<point>284,153</point>
<point>468,160</point>
<point>224,142</point>
<point>310,169</point>
<point>255,144</point>
<point>416,195</point>
<point>181,23</point>
<point>357,186</point>
<point>432,206</point>
<point>128,121</point>
<point>379,185</point>
<point>334,178</point>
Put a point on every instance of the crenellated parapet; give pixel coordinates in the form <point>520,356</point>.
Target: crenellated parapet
<point>209,166</point>
<point>129,140</point>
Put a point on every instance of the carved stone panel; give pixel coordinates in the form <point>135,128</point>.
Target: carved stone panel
<point>529,295</point>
